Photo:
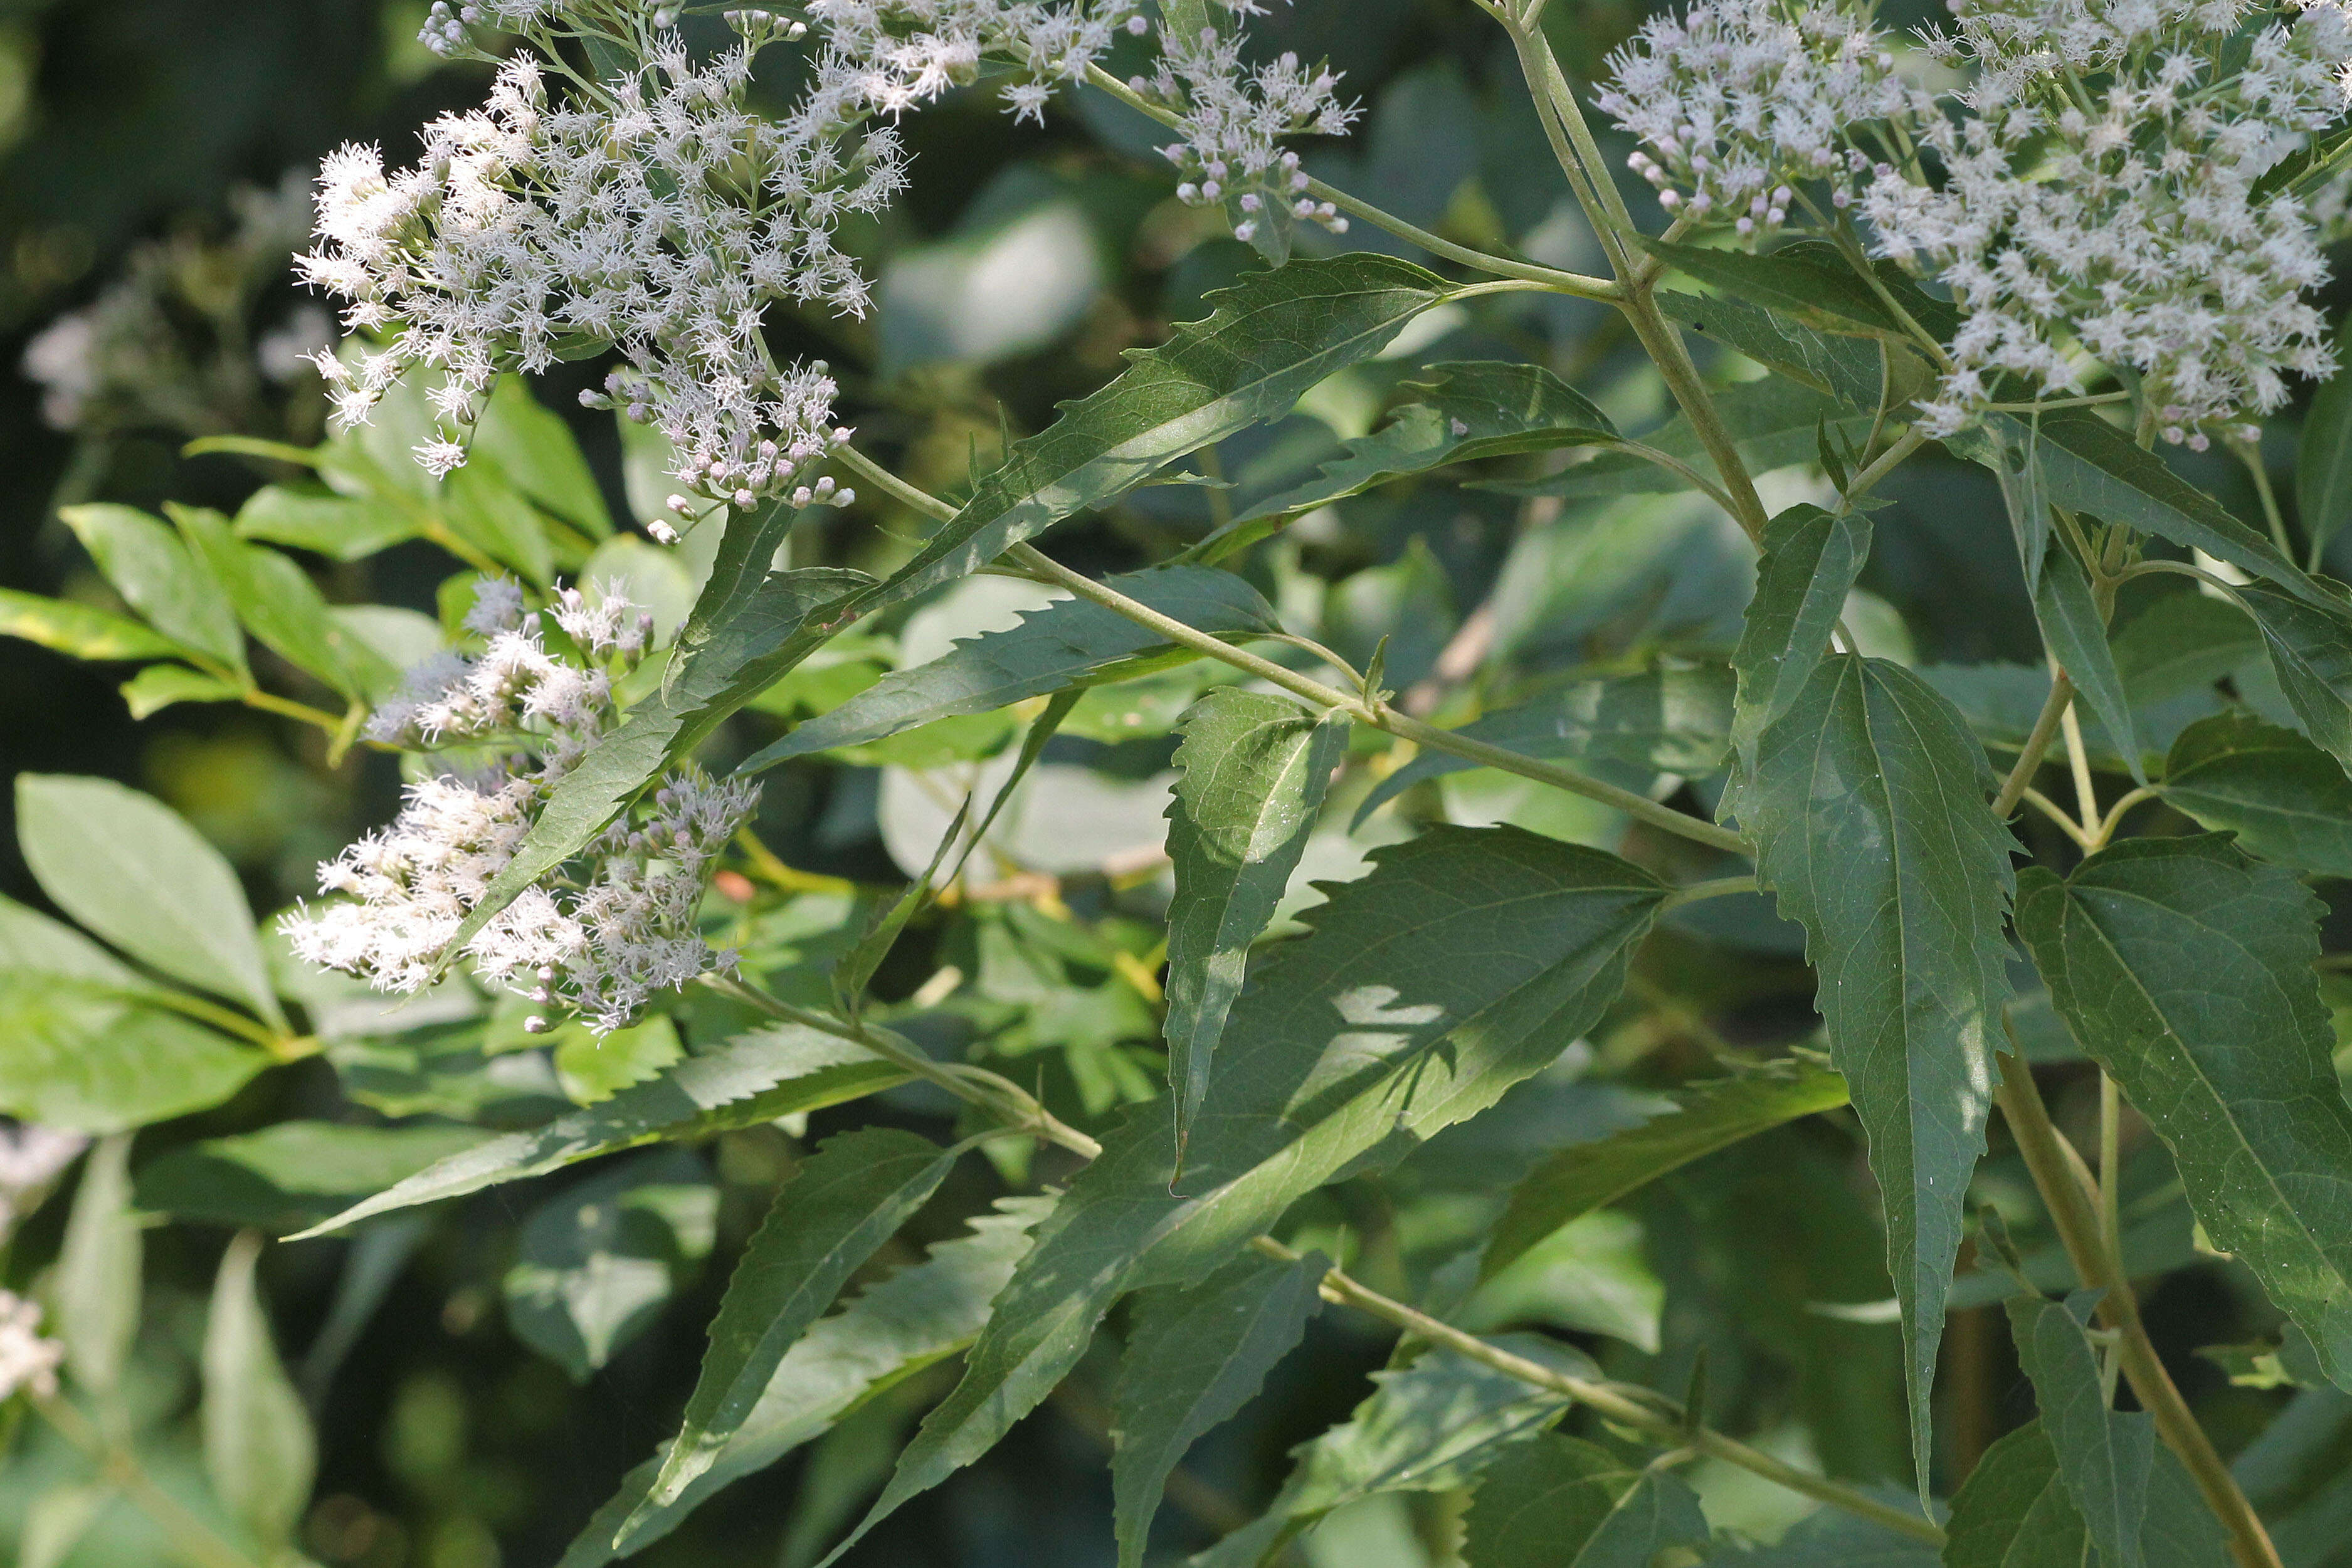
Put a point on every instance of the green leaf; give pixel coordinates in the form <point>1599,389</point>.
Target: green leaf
<point>752,1079</point>
<point>292,1172</point>
<point>1272,336</point>
<point>765,632</point>
<point>595,1264</point>
<point>2104,1454</point>
<point>914,1318</point>
<point>1842,367</point>
<point>1583,1177</point>
<point>1662,721</point>
<point>2323,461</point>
<point>1195,1355</point>
<point>127,866</point>
<point>1432,1426</point>
<point>56,1521</point>
<point>1251,775</point>
<point>532,449</point>
<point>2286,799</point>
<point>279,605</point>
<point>258,1449</point>
<point>89,1059</point>
<point>2013,1512</point>
<point>480,507</point>
<point>1467,960</point>
<point>341,527</point>
<point>158,686</point>
<point>1811,560</point>
<point>1773,422</point>
<point>2076,634</point>
<point>1809,281</point>
<point>2181,643</point>
<point>1559,1502</point>
<point>157,577</point>
<point>1484,408</point>
<point>95,1290</point>
<point>830,1217</point>
<point>1867,805</point>
<point>2184,968</point>
<point>2311,652</point>
<point>34,944</point>
<point>80,631</point>
<point>1070,641</point>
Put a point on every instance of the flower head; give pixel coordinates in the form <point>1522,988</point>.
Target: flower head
<point>27,1360</point>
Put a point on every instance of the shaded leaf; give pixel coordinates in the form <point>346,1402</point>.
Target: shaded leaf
<point>2077,635</point>
<point>2311,653</point>
<point>595,1264</point>
<point>1811,560</point>
<point>1070,641</point>
<point>1466,961</point>
<point>2103,1455</point>
<point>837,1208</point>
<point>2286,799</point>
<point>2184,968</point>
<point>1251,776</point>
<point>291,1173</point>
<point>131,868</point>
<point>258,1448</point>
<point>152,568</point>
<point>1842,367</point>
<point>2323,461</point>
<point>1559,1503</point>
<point>2013,1512</point>
<point>1867,807</point>
<point>1663,721</point>
<point>1808,280</point>
<point>752,1079</point>
<point>279,604</point>
<point>1194,1357</point>
<point>1773,422</point>
<point>532,449</point>
<point>96,1288</point>
<point>80,631</point>
<point>1583,1177</point>
<point>915,1317</point>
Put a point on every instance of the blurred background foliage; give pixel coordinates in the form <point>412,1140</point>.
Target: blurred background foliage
<point>154,164</point>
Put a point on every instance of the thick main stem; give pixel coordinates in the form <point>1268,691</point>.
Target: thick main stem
<point>2070,1202</point>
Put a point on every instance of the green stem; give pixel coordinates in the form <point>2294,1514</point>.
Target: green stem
<point>2250,455</point>
<point>2054,1167</point>
<point>1699,892</point>
<point>2037,745</point>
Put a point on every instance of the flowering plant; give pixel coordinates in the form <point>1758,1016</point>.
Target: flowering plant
<point>2046,255</point>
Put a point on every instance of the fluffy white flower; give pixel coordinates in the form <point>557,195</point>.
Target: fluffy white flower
<point>32,1157</point>
<point>27,1360</point>
<point>622,923</point>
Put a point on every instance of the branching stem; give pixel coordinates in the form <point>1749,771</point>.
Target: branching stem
<point>191,1538</point>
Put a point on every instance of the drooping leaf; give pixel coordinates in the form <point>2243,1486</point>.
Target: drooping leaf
<point>1809,281</point>
<point>1868,808</point>
<point>153,569</point>
<point>1810,562</point>
<point>1432,1425</point>
<point>95,1291</point>
<point>131,868</point>
<point>1251,775</point>
<point>1471,410</point>
<point>2104,1454</point>
<point>1070,641</point>
<point>88,1058</point>
<point>2311,653</point>
<point>292,1172</point>
<point>281,606</point>
<point>2077,636</point>
<point>917,1316</point>
<point>341,528</point>
<point>752,1079</point>
<point>1466,961</point>
<point>1772,421</point>
<point>2286,799</point>
<point>2013,1512</point>
<point>2184,968</point>
<point>1583,1177</point>
<point>534,451</point>
<point>158,686</point>
<point>258,1448</point>
<point>1559,1503</point>
<point>765,632</point>
<point>1195,1355</point>
<point>80,631</point>
<point>1845,369</point>
<point>837,1208</point>
<point>595,1264</point>
<point>1272,336</point>
<point>1663,721</point>
<point>2323,462</point>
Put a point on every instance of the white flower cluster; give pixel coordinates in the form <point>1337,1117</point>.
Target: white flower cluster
<point>1738,102</point>
<point>624,925</point>
<point>1234,120</point>
<point>27,1360</point>
<point>2087,195</point>
<point>2126,228</point>
<point>32,1157</point>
